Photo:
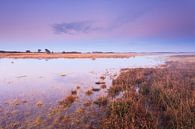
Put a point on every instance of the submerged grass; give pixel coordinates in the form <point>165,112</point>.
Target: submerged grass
<point>68,101</point>
<point>89,92</point>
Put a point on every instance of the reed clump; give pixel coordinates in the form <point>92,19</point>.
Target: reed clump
<point>68,101</point>
<point>101,101</point>
<point>89,92</point>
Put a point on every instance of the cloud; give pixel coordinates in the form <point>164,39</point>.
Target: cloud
<point>75,27</point>
<point>126,19</point>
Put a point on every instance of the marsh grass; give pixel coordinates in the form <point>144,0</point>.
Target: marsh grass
<point>101,101</point>
<point>87,103</point>
<point>74,92</point>
<point>68,101</point>
<point>103,86</point>
<point>165,100</point>
<point>89,92</point>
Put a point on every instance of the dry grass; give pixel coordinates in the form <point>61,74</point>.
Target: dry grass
<point>101,101</point>
<point>68,101</point>
<point>166,99</point>
<point>89,92</point>
<point>74,92</point>
<point>69,55</point>
<point>182,58</point>
<point>103,86</point>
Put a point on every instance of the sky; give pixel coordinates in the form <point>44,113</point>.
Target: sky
<point>98,25</point>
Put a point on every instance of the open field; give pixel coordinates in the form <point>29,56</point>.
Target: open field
<point>67,55</point>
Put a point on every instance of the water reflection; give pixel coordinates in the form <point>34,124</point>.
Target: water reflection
<point>31,87</point>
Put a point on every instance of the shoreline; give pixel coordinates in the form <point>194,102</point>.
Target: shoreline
<point>67,55</point>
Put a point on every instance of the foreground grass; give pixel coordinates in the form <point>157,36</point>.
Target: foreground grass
<point>165,99</point>
<point>140,98</point>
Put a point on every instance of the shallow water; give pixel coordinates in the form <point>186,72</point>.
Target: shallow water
<point>26,83</point>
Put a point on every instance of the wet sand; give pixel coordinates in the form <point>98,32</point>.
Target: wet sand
<point>69,55</point>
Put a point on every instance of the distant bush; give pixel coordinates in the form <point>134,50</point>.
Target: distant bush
<point>28,51</point>
<point>47,51</point>
<point>39,50</point>
<point>73,52</point>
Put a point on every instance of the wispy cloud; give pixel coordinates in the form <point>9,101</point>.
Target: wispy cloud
<point>75,27</point>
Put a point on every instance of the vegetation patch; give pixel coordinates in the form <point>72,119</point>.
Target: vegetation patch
<point>165,99</point>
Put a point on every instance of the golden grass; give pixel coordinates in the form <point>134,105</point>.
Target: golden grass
<point>68,101</point>
<point>61,55</point>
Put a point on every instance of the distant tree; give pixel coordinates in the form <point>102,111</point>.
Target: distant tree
<point>97,52</point>
<point>39,50</point>
<point>27,51</point>
<point>47,51</point>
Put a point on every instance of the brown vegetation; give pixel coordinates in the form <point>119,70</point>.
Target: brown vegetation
<point>101,101</point>
<point>149,98</point>
<point>68,101</point>
<point>65,55</point>
<point>182,58</point>
<point>95,89</point>
<point>103,86</point>
<point>166,98</point>
<point>89,92</point>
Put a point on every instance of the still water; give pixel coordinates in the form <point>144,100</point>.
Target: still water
<point>27,83</point>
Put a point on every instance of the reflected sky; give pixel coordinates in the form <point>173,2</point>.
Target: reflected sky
<point>26,82</point>
<point>49,81</point>
<point>33,77</point>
